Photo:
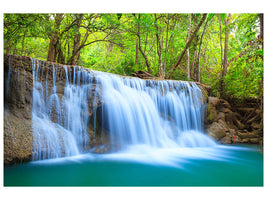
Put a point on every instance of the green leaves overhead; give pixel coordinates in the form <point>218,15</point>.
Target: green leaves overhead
<point>113,43</point>
<point>210,15</point>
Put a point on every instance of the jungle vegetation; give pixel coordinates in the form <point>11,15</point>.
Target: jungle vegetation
<point>222,50</point>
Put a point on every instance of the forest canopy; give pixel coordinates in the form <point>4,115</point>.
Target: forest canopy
<point>222,50</point>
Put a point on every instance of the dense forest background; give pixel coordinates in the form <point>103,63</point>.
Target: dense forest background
<point>222,50</point>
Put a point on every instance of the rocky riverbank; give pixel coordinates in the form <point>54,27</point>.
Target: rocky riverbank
<point>240,123</point>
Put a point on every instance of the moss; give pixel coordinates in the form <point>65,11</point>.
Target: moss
<point>210,113</point>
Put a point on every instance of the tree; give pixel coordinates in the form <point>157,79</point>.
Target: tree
<point>54,44</point>
<point>159,47</point>
<point>140,45</point>
<point>187,49</point>
<point>225,59</point>
<point>188,44</point>
<point>225,52</point>
<point>199,51</point>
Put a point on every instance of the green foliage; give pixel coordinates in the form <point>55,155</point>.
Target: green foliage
<point>108,43</point>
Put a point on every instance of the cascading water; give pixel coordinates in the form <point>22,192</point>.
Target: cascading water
<point>51,139</point>
<point>155,113</point>
<point>158,114</point>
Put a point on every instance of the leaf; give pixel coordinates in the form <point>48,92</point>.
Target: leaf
<point>119,15</point>
<point>222,16</point>
<point>210,15</point>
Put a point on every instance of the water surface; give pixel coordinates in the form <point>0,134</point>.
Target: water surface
<point>145,166</point>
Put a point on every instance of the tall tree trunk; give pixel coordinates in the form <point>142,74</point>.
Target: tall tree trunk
<point>261,37</point>
<point>194,66</point>
<point>166,45</point>
<point>159,48</point>
<point>60,56</point>
<point>188,44</point>
<point>198,55</point>
<point>139,46</point>
<point>52,51</point>
<point>54,40</point>
<point>261,28</point>
<point>225,59</point>
<point>74,59</point>
<point>110,48</point>
<point>187,49</point>
<point>136,53</point>
<point>220,19</point>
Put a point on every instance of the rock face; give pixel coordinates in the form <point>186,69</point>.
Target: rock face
<point>17,110</point>
<point>18,86</point>
<point>227,125</point>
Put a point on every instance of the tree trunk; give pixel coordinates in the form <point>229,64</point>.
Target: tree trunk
<point>110,48</point>
<point>166,45</point>
<point>74,59</point>
<point>188,44</point>
<point>198,55</point>
<point>54,40</point>
<point>52,51</point>
<point>60,57</point>
<point>261,28</point>
<point>225,59</point>
<point>136,53</point>
<point>187,50</point>
<point>194,66</point>
<point>159,48</point>
<point>140,48</point>
<point>220,19</point>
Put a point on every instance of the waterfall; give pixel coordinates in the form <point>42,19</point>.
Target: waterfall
<point>131,111</point>
<point>50,138</point>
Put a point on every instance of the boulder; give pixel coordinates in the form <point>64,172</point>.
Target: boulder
<point>221,115</point>
<point>211,114</point>
<point>223,124</point>
<point>214,101</point>
<point>216,131</point>
<point>226,140</point>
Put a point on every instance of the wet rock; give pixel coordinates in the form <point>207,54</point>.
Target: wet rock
<point>226,140</point>
<point>105,148</point>
<point>17,138</point>
<point>245,135</point>
<point>214,101</point>
<point>225,104</point>
<point>223,124</point>
<point>254,140</point>
<point>211,114</point>
<point>221,115</point>
<point>256,125</point>
<point>244,140</point>
<point>216,131</point>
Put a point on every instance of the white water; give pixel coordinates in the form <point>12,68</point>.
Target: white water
<point>155,114</point>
